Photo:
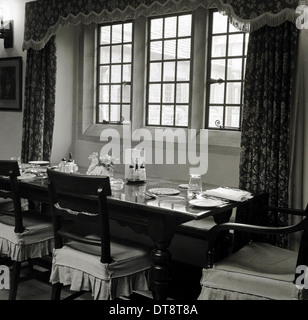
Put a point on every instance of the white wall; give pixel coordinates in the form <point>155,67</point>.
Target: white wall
<point>11,122</point>
<point>65,114</point>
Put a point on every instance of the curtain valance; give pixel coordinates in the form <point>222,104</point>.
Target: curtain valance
<point>44,18</point>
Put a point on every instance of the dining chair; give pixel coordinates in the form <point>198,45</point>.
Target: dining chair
<point>258,270</point>
<point>25,235</point>
<point>86,257</point>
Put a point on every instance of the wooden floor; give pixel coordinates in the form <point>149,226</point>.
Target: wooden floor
<point>184,284</point>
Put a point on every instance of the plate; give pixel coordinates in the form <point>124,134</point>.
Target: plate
<point>183,186</point>
<point>206,203</point>
<point>40,163</point>
<point>164,191</point>
<point>26,176</point>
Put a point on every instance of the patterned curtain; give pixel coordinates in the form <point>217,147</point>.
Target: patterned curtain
<point>39,110</point>
<point>264,161</point>
<point>44,18</point>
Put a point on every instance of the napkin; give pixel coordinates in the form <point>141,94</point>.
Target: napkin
<point>228,193</point>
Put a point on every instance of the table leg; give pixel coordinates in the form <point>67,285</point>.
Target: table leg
<point>223,241</point>
<point>161,230</point>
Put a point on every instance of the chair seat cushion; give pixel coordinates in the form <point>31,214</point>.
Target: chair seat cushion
<point>35,241</point>
<point>79,266</point>
<point>257,271</point>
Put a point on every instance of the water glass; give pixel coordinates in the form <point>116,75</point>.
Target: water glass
<point>194,186</point>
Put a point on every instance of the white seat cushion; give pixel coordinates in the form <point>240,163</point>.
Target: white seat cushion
<point>35,241</point>
<point>79,266</point>
<point>257,271</point>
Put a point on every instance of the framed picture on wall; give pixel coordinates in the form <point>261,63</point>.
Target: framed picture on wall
<point>11,84</point>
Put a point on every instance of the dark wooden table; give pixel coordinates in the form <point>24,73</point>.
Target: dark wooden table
<point>156,218</point>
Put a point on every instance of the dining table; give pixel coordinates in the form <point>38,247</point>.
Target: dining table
<point>157,216</point>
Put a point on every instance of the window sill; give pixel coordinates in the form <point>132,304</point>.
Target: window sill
<point>218,138</point>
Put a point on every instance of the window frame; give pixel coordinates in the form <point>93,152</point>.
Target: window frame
<point>175,81</point>
<point>98,65</point>
<point>210,81</point>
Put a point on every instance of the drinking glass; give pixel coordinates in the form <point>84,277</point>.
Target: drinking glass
<point>194,186</point>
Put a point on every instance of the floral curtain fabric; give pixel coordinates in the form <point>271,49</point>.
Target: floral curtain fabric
<point>45,17</point>
<point>264,163</point>
<point>39,110</point>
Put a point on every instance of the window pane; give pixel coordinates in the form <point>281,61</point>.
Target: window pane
<point>235,47</point>
<point>183,71</point>
<point>182,93</point>
<point>218,69</point>
<point>116,55</point>
<point>154,92</point>
<point>170,27</point>
<point>154,115</point>
<point>219,46</point>
<point>232,118</point>
<point>104,112</point>
<point>115,95</point>
<point>169,49</point>
<point>105,35</point>
<point>184,48</point>
<point>232,29</point>
<point>156,28</point>
<point>246,42</point>
<point>169,71</point>
<point>234,69</point>
<point>233,93</point>
<point>128,32</point>
<point>104,74</point>
<point>126,73</point>
<point>181,116</point>
<point>156,50</point>
<point>105,54</point>
<point>104,94</point>
<point>116,73</point>
<point>126,93</point>
<point>115,114</point>
<point>215,116</point>
<point>168,92</point>
<point>220,23</point>
<point>155,72</point>
<point>126,112</point>
<point>167,115</point>
<point>184,25</point>
<point>116,33</point>
<point>127,53</point>
<point>217,93</point>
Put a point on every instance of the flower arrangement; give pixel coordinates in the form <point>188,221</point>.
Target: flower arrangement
<point>100,165</point>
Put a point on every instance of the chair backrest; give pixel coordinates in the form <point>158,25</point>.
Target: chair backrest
<point>83,199</point>
<point>9,171</point>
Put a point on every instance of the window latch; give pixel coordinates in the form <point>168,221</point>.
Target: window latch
<point>219,81</point>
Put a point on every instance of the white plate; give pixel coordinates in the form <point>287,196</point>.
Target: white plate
<point>203,203</point>
<point>26,176</point>
<point>164,191</point>
<point>39,162</point>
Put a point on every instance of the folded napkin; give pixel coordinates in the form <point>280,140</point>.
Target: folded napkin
<point>228,193</point>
